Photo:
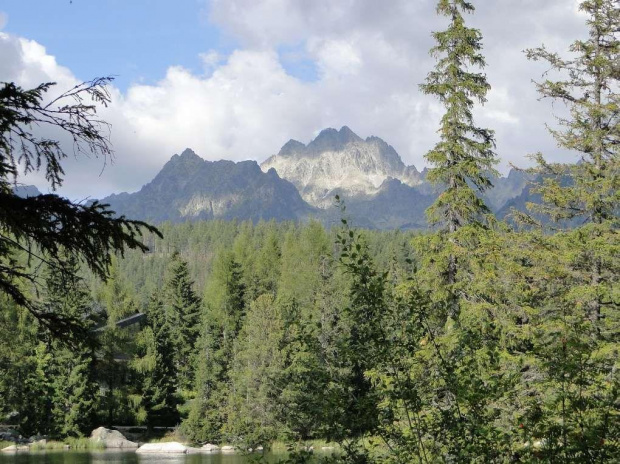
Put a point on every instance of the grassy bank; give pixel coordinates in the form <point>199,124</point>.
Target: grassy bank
<point>71,443</point>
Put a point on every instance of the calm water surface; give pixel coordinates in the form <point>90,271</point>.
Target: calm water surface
<point>116,457</point>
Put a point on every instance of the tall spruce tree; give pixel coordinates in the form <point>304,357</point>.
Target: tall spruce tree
<point>223,318</point>
<point>76,392</point>
<point>157,369</point>
<point>459,344</point>
<point>183,305</point>
<point>257,359</point>
<point>302,381</point>
<point>18,340</point>
<point>117,302</point>
<point>462,161</point>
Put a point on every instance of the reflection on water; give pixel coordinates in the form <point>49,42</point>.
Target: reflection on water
<point>124,457</point>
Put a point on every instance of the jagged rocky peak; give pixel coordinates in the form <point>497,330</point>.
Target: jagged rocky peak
<point>328,140</point>
<point>339,161</point>
<point>387,151</point>
<point>190,187</point>
<point>188,153</point>
<point>333,140</point>
<point>291,147</point>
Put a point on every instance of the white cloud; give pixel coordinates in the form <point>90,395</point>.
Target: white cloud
<point>336,58</point>
<point>211,59</point>
<point>370,58</point>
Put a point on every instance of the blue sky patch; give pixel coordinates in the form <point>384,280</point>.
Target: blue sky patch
<point>133,40</point>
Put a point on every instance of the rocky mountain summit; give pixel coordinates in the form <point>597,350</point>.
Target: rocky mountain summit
<point>340,162</point>
<point>191,188</point>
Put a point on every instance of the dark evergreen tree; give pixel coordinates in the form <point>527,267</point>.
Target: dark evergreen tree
<point>183,307</point>
<point>257,360</point>
<point>117,346</point>
<point>76,392</point>
<point>268,261</point>
<point>303,382</point>
<point>35,415</point>
<point>159,383</point>
<point>18,339</point>
<point>223,318</point>
<point>361,348</point>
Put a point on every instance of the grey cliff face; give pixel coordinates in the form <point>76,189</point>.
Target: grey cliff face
<point>340,162</point>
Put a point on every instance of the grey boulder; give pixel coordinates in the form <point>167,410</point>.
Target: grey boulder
<point>171,447</point>
<point>111,438</point>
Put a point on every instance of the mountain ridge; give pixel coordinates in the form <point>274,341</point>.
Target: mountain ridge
<point>360,171</point>
<point>190,187</point>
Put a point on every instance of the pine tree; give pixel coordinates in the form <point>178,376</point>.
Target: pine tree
<point>76,392</point>
<point>457,348</point>
<point>267,265</point>
<point>35,415</point>
<point>223,319</point>
<point>462,162</point>
<point>117,302</point>
<point>18,339</point>
<point>257,360</point>
<point>302,382</point>
<point>47,228</point>
<point>183,306</point>
<point>157,368</point>
<point>50,385</point>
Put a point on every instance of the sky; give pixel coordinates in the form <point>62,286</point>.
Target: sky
<point>236,79</point>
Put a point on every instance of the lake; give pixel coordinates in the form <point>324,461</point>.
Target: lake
<point>123,457</point>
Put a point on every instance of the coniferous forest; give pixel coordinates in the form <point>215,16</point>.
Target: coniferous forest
<point>476,340</point>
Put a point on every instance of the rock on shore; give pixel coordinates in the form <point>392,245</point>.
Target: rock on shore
<point>171,447</point>
<point>111,438</point>
<point>210,448</point>
<point>15,448</point>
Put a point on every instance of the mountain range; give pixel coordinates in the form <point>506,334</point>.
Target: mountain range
<point>301,182</point>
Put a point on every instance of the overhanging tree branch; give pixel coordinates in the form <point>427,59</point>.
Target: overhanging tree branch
<point>50,228</point>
